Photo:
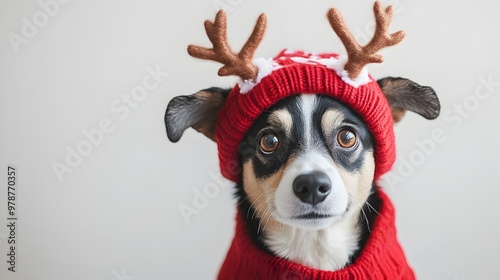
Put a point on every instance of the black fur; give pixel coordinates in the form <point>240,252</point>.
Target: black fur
<point>351,121</point>
<point>289,145</point>
<point>367,219</point>
<point>294,143</point>
<point>252,221</point>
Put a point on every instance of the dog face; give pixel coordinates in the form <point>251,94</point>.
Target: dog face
<point>307,161</point>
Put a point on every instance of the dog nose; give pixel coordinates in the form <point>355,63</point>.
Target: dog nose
<point>312,188</point>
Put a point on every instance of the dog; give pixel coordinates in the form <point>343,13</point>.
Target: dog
<point>307,169</point>
<point>307,165</point>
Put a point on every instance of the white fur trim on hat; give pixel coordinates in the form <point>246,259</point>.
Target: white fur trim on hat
<point>265,66</point>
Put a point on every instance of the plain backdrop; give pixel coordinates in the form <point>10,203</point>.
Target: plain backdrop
<point>116,214</point>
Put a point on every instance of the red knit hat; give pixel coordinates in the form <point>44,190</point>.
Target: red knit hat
<point>265,82</point>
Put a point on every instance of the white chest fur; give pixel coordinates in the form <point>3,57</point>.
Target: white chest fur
<point>325,249</point>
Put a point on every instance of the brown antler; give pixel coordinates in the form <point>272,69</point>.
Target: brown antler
<point>239,64</point>
<point>357,56</point>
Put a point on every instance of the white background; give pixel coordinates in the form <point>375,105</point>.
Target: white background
<point>116,215</point>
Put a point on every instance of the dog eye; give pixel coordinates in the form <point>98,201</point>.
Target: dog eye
<point>269,142</point>
<point>346,138</point>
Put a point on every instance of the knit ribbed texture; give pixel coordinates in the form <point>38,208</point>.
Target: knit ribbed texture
<point>381,258</point>
<point>241,110</point>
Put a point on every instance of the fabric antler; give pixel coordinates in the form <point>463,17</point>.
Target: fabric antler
<point>357,56</point>
<point>238,64</point>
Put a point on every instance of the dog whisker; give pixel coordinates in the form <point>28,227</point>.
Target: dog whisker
<point>371,207</point>
<point>366,219</point>
<point>260,204</point>
<point>242,201</point>
<point>266,217</point>
<point>260,221</point>
<point>253,204</point>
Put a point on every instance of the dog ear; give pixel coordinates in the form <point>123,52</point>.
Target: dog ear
<point>404,95</point>
<point>198,111</point>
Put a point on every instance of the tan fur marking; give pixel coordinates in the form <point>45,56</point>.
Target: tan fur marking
<point>398,114</point>
<point>359,184</point>
<point>330,120</point>
<point>282,118</point>
<point>260,193</point>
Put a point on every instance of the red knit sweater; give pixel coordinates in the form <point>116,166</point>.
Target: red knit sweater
<point>381,258</point>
